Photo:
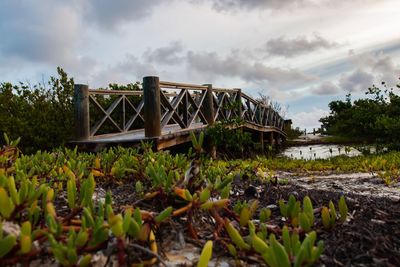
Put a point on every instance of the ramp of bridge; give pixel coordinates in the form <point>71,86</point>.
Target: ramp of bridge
<point>166,113</point>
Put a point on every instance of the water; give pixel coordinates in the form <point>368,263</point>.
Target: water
<point>319,151</point>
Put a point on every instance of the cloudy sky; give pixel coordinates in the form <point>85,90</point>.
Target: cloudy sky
<point>302,53</point>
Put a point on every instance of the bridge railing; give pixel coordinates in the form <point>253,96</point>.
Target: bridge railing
<point>162,104</point>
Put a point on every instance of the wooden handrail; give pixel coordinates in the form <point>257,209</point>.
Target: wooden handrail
<point>165,84</point>
<point>114,92</point>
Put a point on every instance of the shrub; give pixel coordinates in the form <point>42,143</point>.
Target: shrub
<point>41,115</point>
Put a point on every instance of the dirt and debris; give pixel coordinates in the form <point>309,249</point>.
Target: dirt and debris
<point>369,237</point>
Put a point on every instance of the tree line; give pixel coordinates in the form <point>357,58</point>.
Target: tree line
<point>374,118</point>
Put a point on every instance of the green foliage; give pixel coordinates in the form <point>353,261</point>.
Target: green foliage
<point>374,118</point>
<point>230,139</point>
<point>206,254</point>
<point>329,215</point>
<point>31,193</point>
<point>292,133</point>
<point>42,115</point>
<point>6,242</point>
<point>291,210</point>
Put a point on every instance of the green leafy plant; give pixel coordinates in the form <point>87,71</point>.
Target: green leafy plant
<point>206,254</point>
<point>290,210</point>
<point>6,242</point>
<point>329,215</point>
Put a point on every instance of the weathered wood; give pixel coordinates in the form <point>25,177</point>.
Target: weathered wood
<point>185,115</point>
<point>271,138</point>
<point>224,90</point>
<point>81,110</point>
<point>164,103</point>
<point>107,115</point>
<point>114,92</point>
<point>238,100</point>
<point>182,85</point>
<point>172,109</point>
<point>262,141</point>
<point>152,106</point>
<point>208,106</point>
<point>210,116</point>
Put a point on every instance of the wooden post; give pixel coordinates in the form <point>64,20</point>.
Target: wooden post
<point>152,106</point>
<point>208,111</point>
<point>208,105</point>
<point>277,139</point>
<point>238,100</point>
<point>260,111</point>
<point>271,138</point>
<point>81,110</point>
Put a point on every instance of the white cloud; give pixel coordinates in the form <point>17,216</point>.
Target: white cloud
<point>309,119</point>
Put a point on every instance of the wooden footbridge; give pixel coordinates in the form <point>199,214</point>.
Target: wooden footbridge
<point>166,113</point>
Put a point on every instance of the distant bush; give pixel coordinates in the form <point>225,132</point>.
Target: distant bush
<point>42,115</point>
<point>374,118</point>
<point>292,133</point>
<point>233,142</point>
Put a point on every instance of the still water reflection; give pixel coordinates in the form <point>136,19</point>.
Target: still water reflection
<point>319,151</point>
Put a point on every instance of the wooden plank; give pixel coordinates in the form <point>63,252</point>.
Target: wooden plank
<point>225,90</point>
<point>182,85</point>
<point>114,92</point>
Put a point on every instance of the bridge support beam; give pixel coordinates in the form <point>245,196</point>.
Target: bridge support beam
<point>277,139</point>
<point>271,138</point>
<point>81,111</point>
<point>152,106</point>
<point>262,141</point>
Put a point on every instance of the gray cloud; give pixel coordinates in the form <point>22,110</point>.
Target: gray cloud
<point>357,81</point>
<point>235,5</point>
<point>129,70</point>
<point>232,6</point>
<point>169,55</point>
<point>386,69</point>
<point>325,88</point>
<point>213,66</point>
<point>300,45</point>
<point>38,33</point>
<point>42,37</point>
<point>372,68</point>
<point>110,14</point>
